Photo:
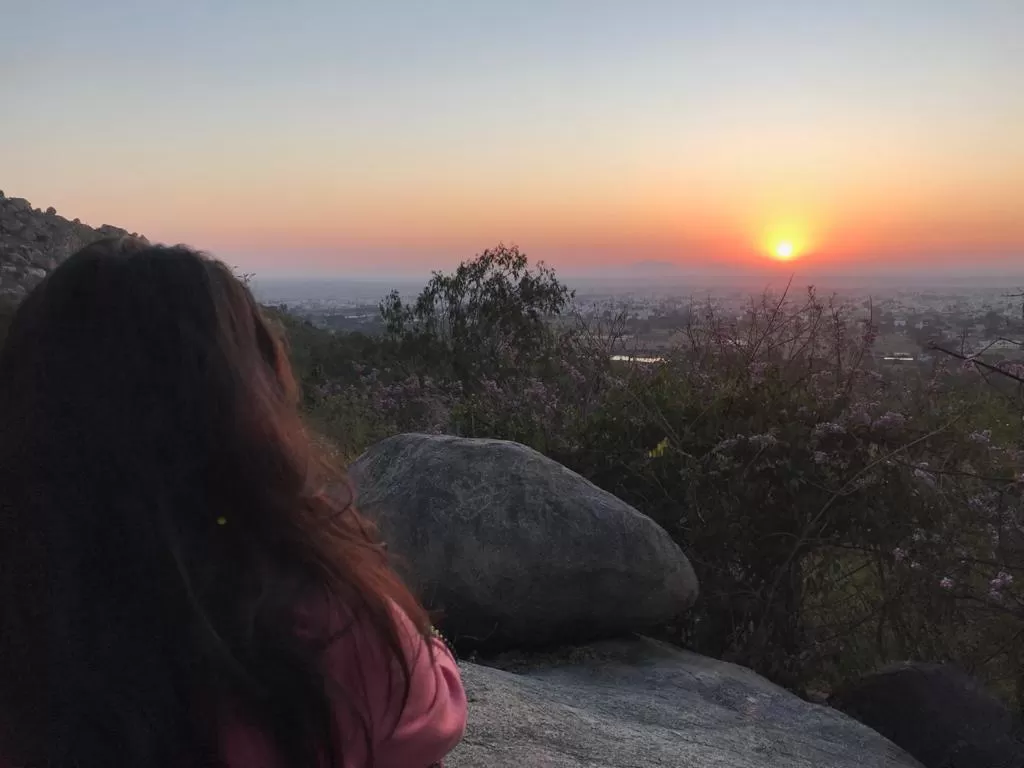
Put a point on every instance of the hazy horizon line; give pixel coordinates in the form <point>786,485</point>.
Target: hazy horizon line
<point>642,271</point>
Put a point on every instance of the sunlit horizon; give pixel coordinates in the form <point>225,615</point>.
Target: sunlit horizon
<point>326,138</point>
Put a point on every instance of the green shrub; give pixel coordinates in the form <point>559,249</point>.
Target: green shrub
<point>489,317</point>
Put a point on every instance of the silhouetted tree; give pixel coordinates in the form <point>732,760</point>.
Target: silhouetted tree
<point>487,318</point>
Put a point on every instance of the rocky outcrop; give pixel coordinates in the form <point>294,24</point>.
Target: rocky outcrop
<point>641,704</point>
<point>938,714</point>
<point>515,549</point>
<point>33,242</point>
<point>520,552</point>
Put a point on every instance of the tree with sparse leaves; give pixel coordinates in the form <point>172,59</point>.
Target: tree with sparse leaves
<point>492,316</point>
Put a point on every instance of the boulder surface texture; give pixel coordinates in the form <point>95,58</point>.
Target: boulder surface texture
<point>515,549</point>
<point>643,704</point>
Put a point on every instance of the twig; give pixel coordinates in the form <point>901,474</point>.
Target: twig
<point>976,361</point>
<point>836,495</point>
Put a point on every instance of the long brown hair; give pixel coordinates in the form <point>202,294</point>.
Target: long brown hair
<point>162,514</point>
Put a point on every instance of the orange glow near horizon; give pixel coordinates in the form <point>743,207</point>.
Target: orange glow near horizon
<point>788,240</point>
<point>643,137</point>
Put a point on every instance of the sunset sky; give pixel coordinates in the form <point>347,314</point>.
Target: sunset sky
<point>323,136</point>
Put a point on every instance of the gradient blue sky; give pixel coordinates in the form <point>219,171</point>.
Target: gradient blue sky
<point>389,137</point>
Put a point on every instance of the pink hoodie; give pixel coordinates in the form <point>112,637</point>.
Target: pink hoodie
<point>368,683</point>
<point>368,686</point>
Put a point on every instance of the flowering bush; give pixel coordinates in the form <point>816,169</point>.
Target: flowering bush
<point>838,518</point>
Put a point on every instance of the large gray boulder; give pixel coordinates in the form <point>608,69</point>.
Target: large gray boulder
<point>515,549</point>
<point>937,713</point>
<point>643,704</point>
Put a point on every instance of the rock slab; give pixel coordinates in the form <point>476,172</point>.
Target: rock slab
<point>515,549</point>
<point>643,704</point>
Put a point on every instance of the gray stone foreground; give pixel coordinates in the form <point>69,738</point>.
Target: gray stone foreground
<point>640,703</point>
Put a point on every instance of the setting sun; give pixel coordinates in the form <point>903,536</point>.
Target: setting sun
<point>789,238</point>
<point>784,250</point>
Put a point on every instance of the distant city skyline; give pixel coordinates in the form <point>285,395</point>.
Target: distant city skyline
<point>388,139</point>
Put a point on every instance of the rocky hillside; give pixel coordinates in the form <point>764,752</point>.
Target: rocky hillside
<point>33,241</point>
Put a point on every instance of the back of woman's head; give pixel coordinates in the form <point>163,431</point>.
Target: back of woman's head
<point>160,518</point>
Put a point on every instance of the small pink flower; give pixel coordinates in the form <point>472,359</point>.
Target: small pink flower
<point>891,420</point>
<point>1001,581</point>
<point>946,583</point>
<point>982,438</point>
<point>828,428</point>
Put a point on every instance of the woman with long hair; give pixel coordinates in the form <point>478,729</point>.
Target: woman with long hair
<point>177,588</point>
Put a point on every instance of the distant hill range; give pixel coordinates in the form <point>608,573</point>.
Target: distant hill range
<point>33,242</point>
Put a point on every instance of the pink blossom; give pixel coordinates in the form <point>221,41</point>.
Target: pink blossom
<point>946,583</point>
<point>978,504</point>
<point>983,438</point>
<point>764,441</point>
<point>828,428</point>
<point>1001,581</point>
<point>578,378</point>
<point>860,416</point>
<point>891,420</point>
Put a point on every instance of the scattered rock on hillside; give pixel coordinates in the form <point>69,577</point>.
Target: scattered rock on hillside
<point>939,714</point>
<point>32,243</point>
<point>515,549</point>
<point>643,704</point>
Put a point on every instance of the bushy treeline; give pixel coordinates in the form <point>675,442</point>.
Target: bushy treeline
<point>838,517</point>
